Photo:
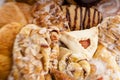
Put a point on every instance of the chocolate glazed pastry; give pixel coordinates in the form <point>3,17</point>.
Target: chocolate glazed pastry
<point>81,17</point>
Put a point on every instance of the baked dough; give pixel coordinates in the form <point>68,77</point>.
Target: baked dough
<point>74,39</point>
<point>10,12</point>
<point>26,10</point>
<point>49,14</point>
<point>72,65</point>
<point>7,35</point>
<point>109,35</point>
<point>35,51</point>
<point>81,17</point>
<point>104,66</point>
<point>58,75</point>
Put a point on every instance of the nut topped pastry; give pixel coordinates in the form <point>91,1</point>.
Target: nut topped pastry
<point>103,65</point>
<point>35,51</point>
<point>109,34</point>
<point>49,14</point>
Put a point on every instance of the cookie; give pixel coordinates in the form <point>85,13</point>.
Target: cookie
<point>81,17</point>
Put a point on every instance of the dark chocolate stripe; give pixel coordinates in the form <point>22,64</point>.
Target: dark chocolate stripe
<point>98,18</point>
<point>75,18</point>
<point>84,27</point>
<point>94,15</point>
<point>81,22</point>
<point>68,16</point>
<point>61,8</point>
<point>88,23</point>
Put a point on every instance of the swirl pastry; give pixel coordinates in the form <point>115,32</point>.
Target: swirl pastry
<point>82,42</point>
<point>49,14</point>
<point>104,66</point>
<point>7,36</point>
<point>74,66</point>
<point>81,17</point>
<point>32,53</point>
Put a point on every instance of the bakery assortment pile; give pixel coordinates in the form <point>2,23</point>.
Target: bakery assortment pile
<point>51,41</point>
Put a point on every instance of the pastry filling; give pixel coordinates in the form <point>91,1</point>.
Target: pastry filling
<point>85,43</point>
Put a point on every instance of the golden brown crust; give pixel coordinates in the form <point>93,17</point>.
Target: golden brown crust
<point>26,10</point>
<point>7,36</point>
<point>5,66</point>
<point>10,12</point>
<point>57,75</point>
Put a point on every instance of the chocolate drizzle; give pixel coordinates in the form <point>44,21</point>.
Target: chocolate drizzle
<point>68,16</point>
<point>84,19</point>
<point>81,18</point>
<point>75,18</point>
<point>93,22</point>
<point>88,25</point>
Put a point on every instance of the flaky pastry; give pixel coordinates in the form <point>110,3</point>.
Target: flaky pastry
<point>104,65</point>
<point>35,51</point>
<point>82,42</point>
<point>72,65</point>
<point>49,14</point>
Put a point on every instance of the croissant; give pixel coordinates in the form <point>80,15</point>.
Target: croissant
<point>10,12</point>
<point>8,33</point>
<point>80,18</point>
